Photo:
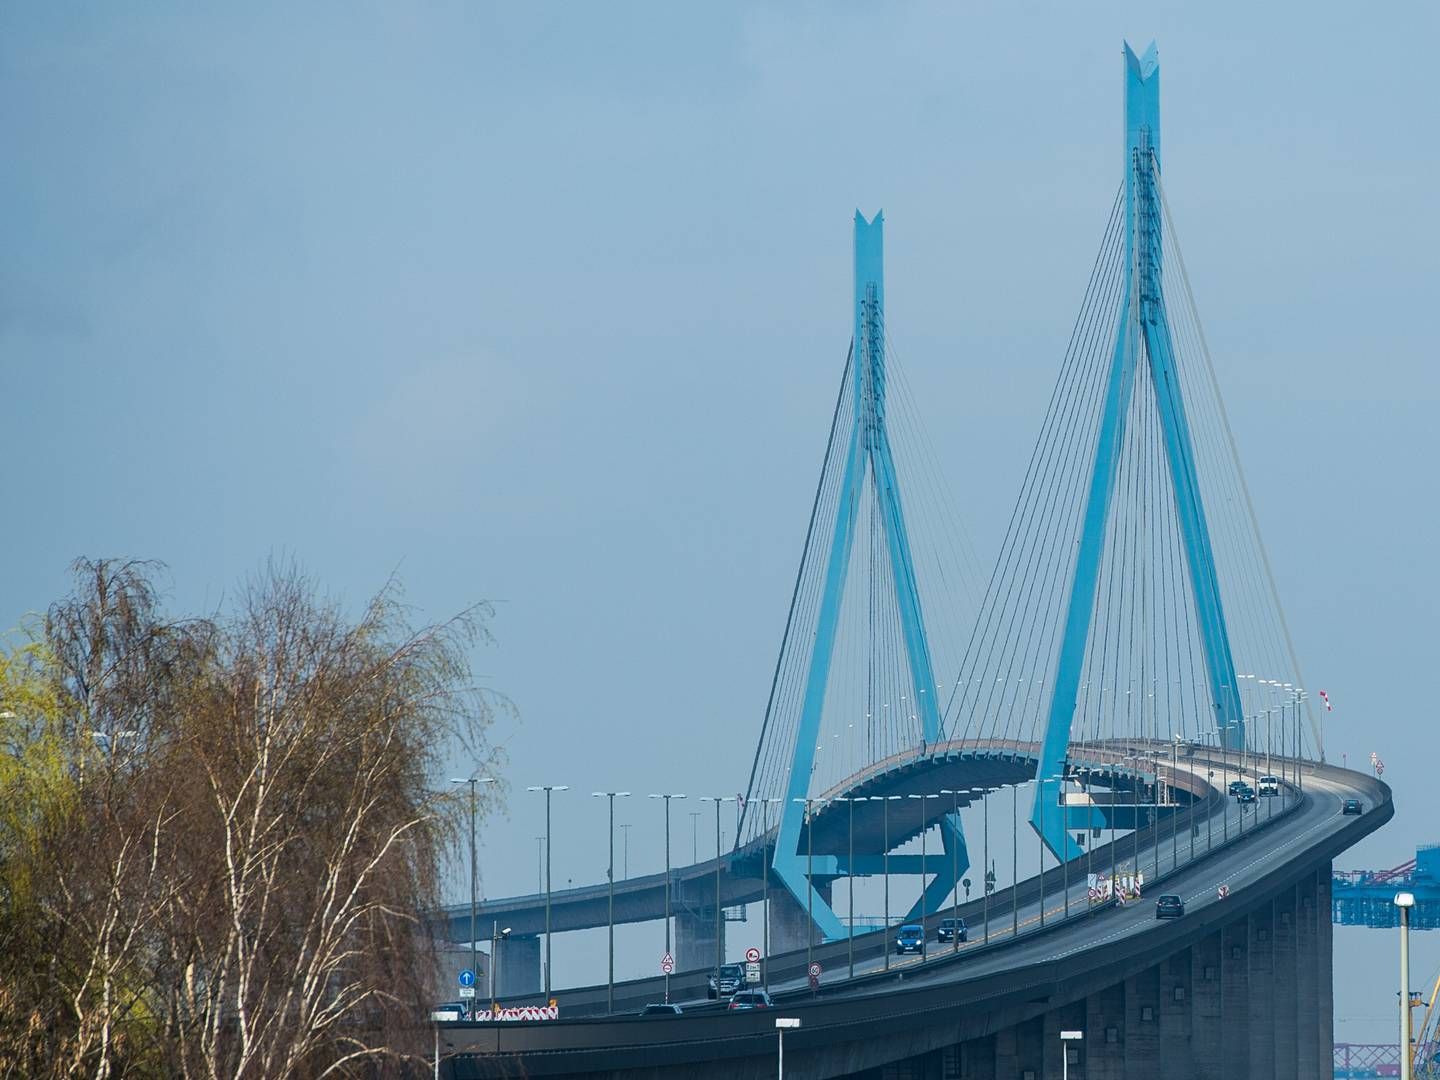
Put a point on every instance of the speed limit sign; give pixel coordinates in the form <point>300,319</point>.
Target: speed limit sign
<point>815,971</point>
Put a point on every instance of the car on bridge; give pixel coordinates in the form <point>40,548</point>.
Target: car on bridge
<point>910,938</point>
<point>1169,906</point>
<point>750,999</point>
<point>732,978</point>
<point>951,929</point>
<point>1352,806</point>
<point>1236,786</point>
<point>1269,786</point>
<point>656,1008</point>
<point>1246,794</point>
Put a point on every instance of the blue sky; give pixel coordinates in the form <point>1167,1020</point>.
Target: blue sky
<point>546,305</point>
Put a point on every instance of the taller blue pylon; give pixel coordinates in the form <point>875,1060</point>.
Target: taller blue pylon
<point>867,459</point>
<point>1142,322</point>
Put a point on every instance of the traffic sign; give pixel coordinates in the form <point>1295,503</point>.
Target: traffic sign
<point>467,977</point>
<point>467,991</point>
<point>815,970</point>
<point>667,963</point>
<point>752,955</point>
<point>752,971</point>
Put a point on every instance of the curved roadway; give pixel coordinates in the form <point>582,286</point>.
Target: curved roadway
<point>1036,968</point>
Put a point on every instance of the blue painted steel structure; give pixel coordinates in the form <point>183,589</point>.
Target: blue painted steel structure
<point>1141,322</point>
<point>1367,897</point>
<point>868,458</point>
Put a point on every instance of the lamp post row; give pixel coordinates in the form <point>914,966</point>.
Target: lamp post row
<point>810,810</point>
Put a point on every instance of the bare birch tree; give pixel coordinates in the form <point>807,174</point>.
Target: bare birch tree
<point>239,887</point>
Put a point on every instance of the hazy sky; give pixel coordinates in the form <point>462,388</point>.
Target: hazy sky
<point>547,304</point>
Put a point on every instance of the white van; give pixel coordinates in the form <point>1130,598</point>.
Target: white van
<point>1269,785</point>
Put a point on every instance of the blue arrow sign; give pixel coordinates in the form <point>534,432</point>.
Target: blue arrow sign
<point>467,977</point>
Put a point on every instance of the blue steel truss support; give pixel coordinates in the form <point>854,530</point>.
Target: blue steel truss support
<point>867,459</point>
<point>1142,319</point>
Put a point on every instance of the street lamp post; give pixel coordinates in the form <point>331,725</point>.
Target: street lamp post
<point>549,789</point>
<point>955,874</point>
<point>497,936</point>
<point>473,781</point>
<point>885,801</point>
<point>1040,838</point>
<point>849,801</point>
<point>1065,853</point>
<point>782,1025</point>
<point>807,802</point>
<point>1067,1037</point>
<point>611,796</point>
<point>719,914</point>
<point>985,855</point>
<point>667,796</point>
<point>1014,861</point>
<point>923,882</point>
<point>1405,901</point>
<point>765,805</point>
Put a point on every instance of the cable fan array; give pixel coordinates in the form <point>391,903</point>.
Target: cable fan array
<point>1143,672</point>
<point>872,705</point>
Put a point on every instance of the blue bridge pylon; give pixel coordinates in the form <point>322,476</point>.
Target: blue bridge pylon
<point>860,452</point>
<point>1142,332</point>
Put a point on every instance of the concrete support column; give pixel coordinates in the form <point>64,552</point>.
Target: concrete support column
<point>1207,1035</point>
<point>1176,1005</point>
<point>518,967</point>
<point>695,931</point>
<point>1308,990</point>
<point>1235,998</point>
<point>789,922</point>
<point>1142,1025</point>
<point>977,1059</point>
<point>1325,979</point>
<point>1266,1015</point>
<point>1104,1034</point>
<point>1287,1004</point>
<point>1030,1048</point>
<point>1007,1053</point>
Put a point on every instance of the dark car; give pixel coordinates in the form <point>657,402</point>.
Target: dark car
<point>910,938</point>
<point>1352,806</point>
<point>732,978</point>
<point>655,1008</point>
<point>1169,906</point>
<point>950,929</point>
<point>751,999</point>
<point>1236,786</point>
<point>1245,794</point>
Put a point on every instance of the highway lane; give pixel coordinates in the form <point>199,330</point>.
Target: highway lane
<point>1198,885</point>
<point>1224,818</point>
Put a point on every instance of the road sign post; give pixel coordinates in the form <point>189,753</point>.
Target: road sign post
<point>815,970</point>
<point>667,964</point>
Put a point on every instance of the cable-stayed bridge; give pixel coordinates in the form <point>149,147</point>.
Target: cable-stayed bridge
<point>1126,662</point>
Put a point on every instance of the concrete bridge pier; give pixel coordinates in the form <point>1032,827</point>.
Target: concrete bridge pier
<point>789,922</point>
<point>695,931</point>
<point>518,967</point>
